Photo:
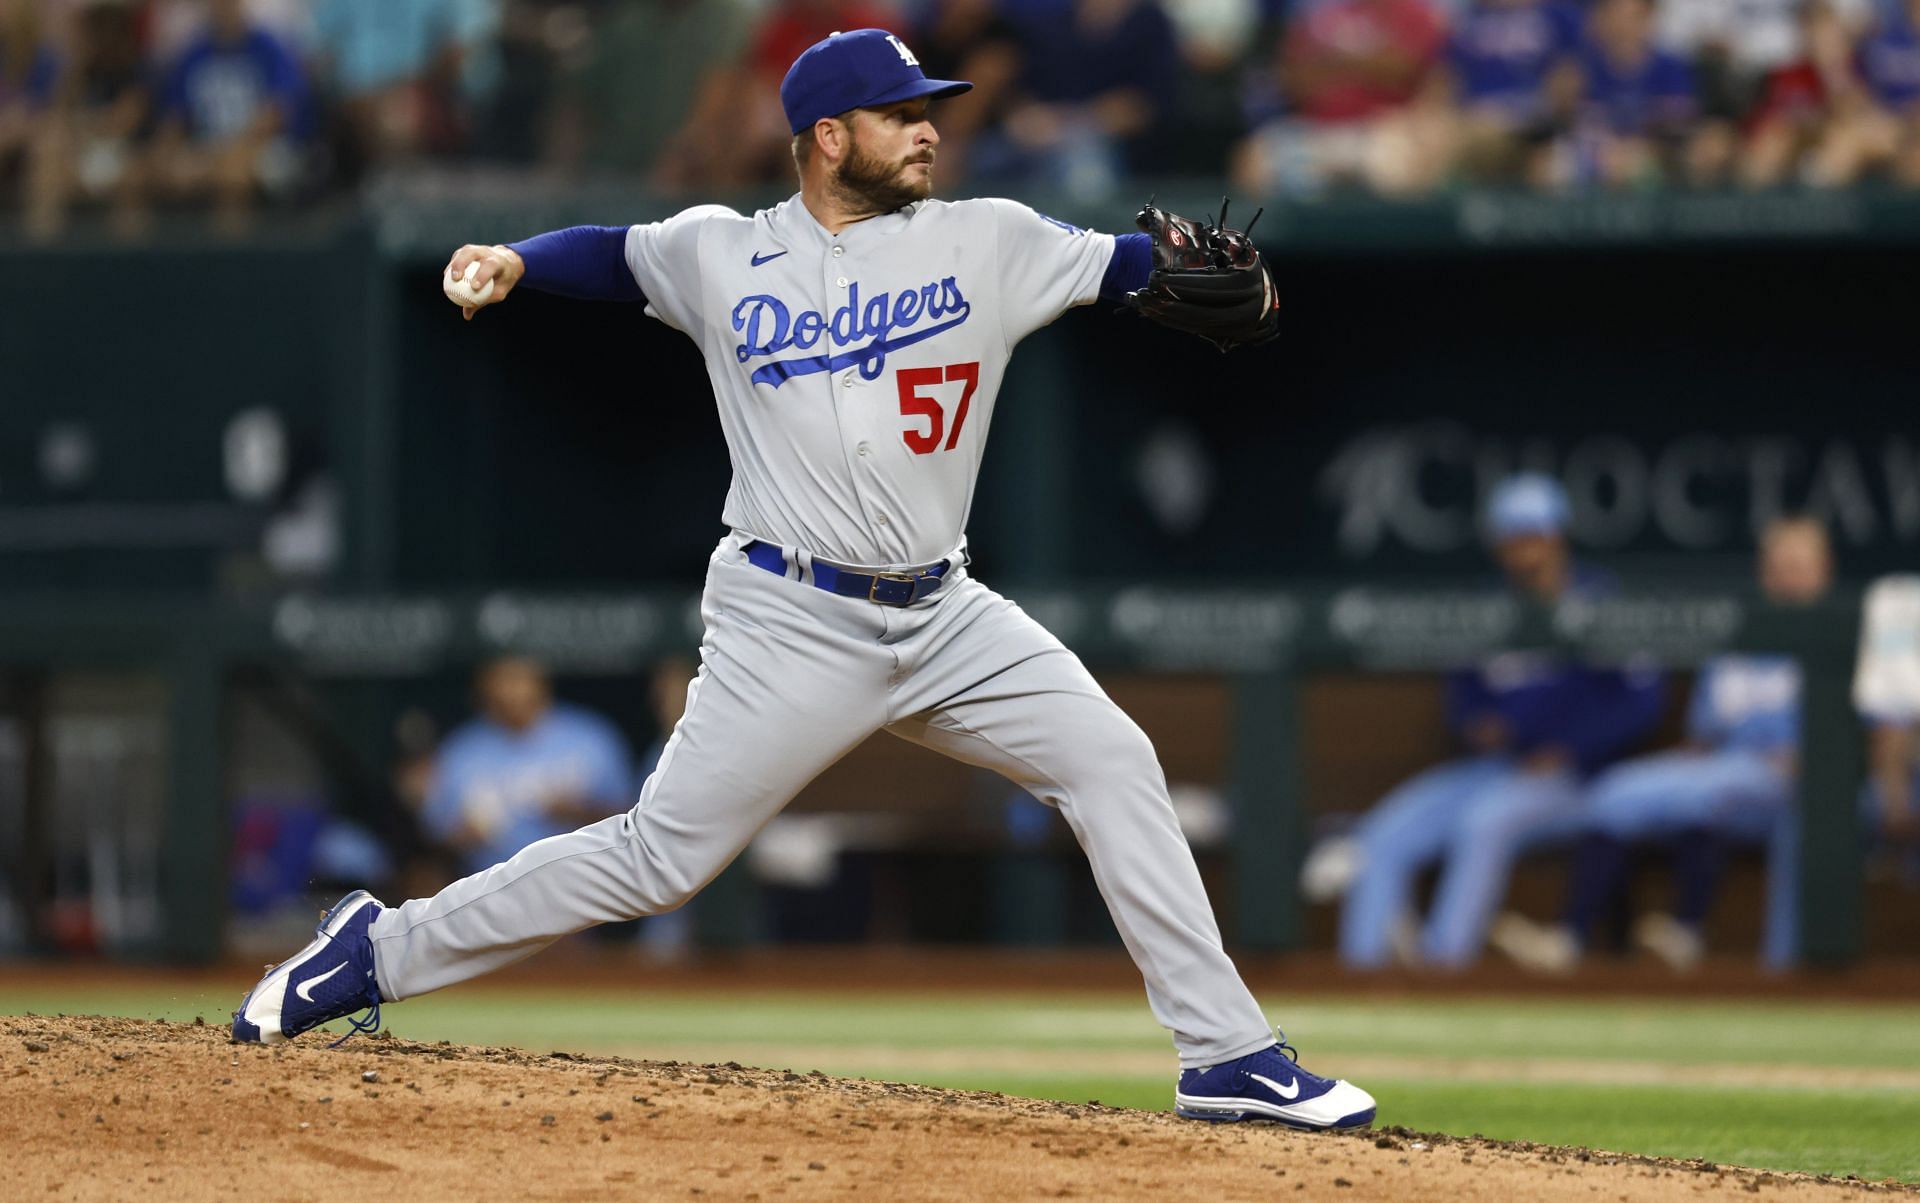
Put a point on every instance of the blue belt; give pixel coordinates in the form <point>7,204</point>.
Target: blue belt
<point>881,588</point>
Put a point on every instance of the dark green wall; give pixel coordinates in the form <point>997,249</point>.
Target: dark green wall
<point>1683,393</point>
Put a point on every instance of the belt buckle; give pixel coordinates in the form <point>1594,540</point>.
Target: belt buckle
<point>892,578</point>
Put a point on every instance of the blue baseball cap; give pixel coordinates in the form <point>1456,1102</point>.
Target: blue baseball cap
<point>859,70</point>
<point>1528,504</point>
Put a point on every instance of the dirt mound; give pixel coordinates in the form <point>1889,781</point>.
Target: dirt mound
<point>105,1108</point>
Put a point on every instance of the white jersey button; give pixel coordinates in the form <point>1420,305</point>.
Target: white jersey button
<point>842,281</point>
<point>839,251</point>
<point>880,518</point>
<point>847,380</point>
<point>864,449</point>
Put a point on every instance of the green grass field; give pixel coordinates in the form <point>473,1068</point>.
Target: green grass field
<point>1828,1088</point>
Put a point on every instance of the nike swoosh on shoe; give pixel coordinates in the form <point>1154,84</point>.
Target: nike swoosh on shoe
<point>1290,1091</point>
<point>305,991</point>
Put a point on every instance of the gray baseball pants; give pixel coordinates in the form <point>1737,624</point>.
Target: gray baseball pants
<point>791,679</point>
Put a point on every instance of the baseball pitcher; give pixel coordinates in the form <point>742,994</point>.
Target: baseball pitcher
<point>856,337</point>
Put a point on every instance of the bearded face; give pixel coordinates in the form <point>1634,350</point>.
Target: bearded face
<point>883,171</point>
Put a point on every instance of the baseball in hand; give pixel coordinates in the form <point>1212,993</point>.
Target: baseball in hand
<point>460,289</point>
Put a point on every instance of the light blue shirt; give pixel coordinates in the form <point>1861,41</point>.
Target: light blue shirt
<point>376,43</point>
<point>1747,702</point>
<point>501,780</point>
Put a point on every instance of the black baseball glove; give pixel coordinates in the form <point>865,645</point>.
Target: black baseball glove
<point>1207,280</point>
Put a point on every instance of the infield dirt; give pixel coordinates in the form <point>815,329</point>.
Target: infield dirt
<point>107,1108</point>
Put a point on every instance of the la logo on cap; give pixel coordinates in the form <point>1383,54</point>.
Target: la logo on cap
<point>906,56</point>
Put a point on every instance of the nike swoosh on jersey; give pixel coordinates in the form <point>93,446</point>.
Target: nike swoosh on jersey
<point>758,259</point>
<point>305,989</point>
<point>1290,1091</point>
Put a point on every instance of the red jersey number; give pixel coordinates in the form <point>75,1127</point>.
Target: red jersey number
<point>916,404</point>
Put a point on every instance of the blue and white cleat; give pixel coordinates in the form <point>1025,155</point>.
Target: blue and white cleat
<point>328,979</point>
<point>1270,1085</point>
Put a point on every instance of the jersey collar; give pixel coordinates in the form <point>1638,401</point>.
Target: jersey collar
<point>793,220</point>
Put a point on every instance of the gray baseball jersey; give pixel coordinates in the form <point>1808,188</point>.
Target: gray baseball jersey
<point>856,373</point>
<point>856,376</point>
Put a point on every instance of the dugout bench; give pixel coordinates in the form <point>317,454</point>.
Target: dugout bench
<point>1265,642</point>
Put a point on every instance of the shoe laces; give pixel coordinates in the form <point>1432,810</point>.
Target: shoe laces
<point>368,1023</point>
<point>1287,1050</point>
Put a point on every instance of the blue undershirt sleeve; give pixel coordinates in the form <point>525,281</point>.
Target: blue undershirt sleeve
<point>588,263</point>
<point>1129,268</point>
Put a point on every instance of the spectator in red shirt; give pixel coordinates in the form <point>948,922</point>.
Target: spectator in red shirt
<point>1808,110</point>
<point>793,25</point>
<point>1354,74</point>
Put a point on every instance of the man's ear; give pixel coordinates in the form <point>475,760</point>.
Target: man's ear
<point>832,138</point>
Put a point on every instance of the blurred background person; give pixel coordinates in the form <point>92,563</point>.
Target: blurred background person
<point>1511,77</point>
<point>1535,729</point>
<point>1807,124</point>
<point>972,40</point>
<point>673,122</point>
<point>1355,106</point>
<point>234,118</point>
<point>1218,40</point>
<point>1638,110</point>
<point>525,769</point>
<point>1886,692</point>
<point>759,149</point>
<point>1095,79</point>
<point>1734,47</point>
<point>1730,785</point>
<point>172,24</point>
<point>1890,64</point>
<point>90,144</point>
<point>29,70</point>
<point>403,75</point>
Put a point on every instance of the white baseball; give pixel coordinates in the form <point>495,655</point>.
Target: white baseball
<point>460,289</point>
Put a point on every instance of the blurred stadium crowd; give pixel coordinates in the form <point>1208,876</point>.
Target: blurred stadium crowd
<point>226,104</point>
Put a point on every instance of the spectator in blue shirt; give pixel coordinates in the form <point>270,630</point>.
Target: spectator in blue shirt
<point>1639,104</point>
<point>1890,59</point>
<point>1513,77</point>
<point>526,769</point>
<point>1095,76</point>
<point>1537,728</point>
<point>1730,784</point>
<point>234,117</point>
<point>1889,64</point>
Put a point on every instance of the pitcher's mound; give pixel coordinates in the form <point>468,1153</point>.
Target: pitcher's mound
<point>105,1108</point>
